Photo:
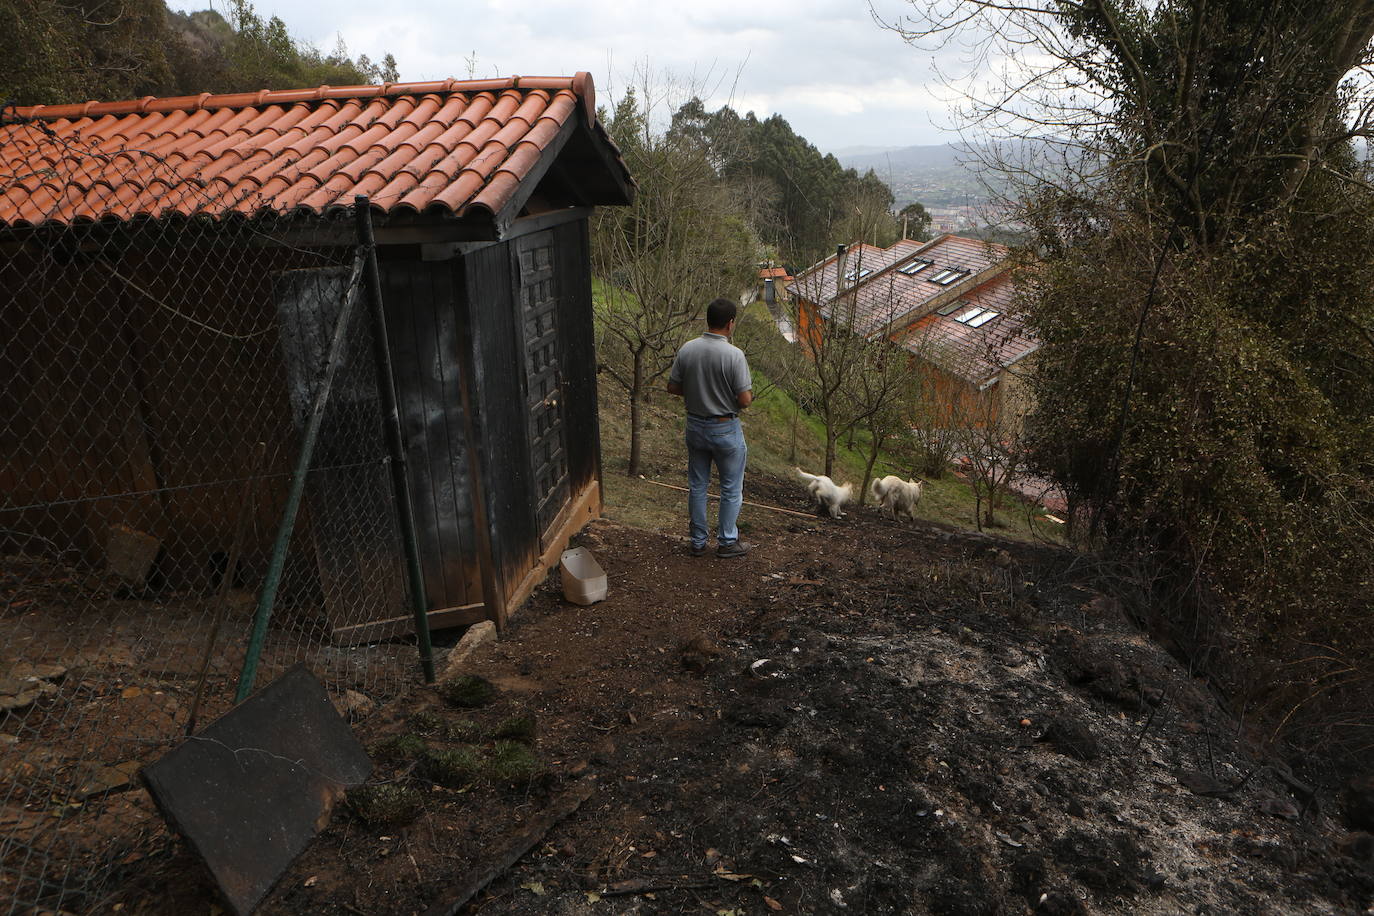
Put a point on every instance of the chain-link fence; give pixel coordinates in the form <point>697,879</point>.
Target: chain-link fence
<point>158,381</point>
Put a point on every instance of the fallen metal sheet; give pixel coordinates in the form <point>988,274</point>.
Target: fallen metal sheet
<point>251,790</point>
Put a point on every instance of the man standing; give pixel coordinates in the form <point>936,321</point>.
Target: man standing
<point>712,375</point>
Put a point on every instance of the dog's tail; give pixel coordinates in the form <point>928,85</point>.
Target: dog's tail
<point>809,478</point>
<point>874,490</point>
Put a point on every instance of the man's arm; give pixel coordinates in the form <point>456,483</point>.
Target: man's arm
<point>674,388</point>
<point>744,381</point>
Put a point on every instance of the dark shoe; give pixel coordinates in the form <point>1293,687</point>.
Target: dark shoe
<point>732,550</point>
<point>697,551</point>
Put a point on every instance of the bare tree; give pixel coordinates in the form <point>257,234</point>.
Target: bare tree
<point>660,261</point>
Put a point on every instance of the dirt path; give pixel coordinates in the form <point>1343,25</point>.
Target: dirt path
<point>859,717</point>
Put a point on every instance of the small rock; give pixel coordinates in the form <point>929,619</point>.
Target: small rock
<point>27,697</point>
<point>101,779</point>
<point>477,635</point>
<point>1056,903</point>
<point>354,705</point>
<point>8,740</point>
<point>40,672</point>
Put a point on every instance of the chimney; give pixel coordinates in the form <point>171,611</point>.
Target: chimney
<point>841,262</point>
<point>770,295</point>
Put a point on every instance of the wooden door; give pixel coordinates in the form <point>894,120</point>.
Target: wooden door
<point>539,301</point>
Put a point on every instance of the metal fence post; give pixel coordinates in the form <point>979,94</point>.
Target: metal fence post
<point>391,419</point>
<point>277,564</point>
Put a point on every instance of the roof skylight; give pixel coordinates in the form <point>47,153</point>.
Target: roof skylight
<point>948,275</point>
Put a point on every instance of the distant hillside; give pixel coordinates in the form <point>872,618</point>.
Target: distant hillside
<point>937,176</point>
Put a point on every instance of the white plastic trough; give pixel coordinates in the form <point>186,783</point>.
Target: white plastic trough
<point>584,581</point>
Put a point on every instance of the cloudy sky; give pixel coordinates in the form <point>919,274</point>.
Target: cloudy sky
<point>839,79</point>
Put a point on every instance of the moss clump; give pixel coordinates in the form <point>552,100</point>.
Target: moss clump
<point>402,747</point>
<point>462,730</point>
<point>512,763</point>
<point>467,691</point>
<point>457,768</point>
<point>387,803</point>
<point>427,721</point>
<point>516,728</point>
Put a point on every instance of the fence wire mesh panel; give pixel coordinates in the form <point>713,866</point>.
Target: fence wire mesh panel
<point>157,375</point>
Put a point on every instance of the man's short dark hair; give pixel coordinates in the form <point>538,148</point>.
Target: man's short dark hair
<point>721,312</point>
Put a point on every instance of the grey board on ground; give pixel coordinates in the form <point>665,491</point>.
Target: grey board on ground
<point>251,790</point>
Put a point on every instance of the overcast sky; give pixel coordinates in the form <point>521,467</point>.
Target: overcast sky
<point>838,78</point>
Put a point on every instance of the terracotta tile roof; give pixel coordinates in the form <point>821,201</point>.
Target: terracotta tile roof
<point>451,148</point>
<point>887,295</point>
<point>978,348</point>
<point>817,283</point>
<point>776,273</point>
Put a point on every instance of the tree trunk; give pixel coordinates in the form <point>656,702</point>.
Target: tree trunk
<point>796,416</point>
<point>874,447</point>
<point>636,413</point>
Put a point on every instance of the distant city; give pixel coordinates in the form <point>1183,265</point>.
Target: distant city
<point>942,178</point>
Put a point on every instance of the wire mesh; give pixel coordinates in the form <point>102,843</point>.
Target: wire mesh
<point>154,382</point>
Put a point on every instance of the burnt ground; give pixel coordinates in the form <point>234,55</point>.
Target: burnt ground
<point>861,716</point>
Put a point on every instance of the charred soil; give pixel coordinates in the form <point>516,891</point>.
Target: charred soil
<point>860,716</point>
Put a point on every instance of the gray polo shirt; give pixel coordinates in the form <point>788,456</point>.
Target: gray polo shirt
<point>712,372</point>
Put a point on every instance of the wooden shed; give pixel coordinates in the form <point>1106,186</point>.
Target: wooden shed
<point>479,194</point>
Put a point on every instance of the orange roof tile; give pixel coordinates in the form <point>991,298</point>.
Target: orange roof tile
<point>452,148</point>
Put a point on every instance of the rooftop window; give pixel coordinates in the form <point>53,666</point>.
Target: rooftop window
<point>914,266</point>
<point>976,316</point>
<point>857,274</point>
<point>950,308</point>
<point>948,275</point>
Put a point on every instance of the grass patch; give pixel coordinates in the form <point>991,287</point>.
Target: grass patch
<point>454,768</point>
<point>401,747</point>
<point>383,804</point>
<point>467,691</point>
<point>461,730</point>
<point>427,722</point>
<point>516,728</point>
<point>512,763</point>
<point>780,437</point>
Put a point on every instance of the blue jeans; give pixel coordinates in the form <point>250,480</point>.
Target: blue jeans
<point>721,441</point>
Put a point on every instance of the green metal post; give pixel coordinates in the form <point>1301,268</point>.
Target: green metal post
<point>391,419</point>
<point>270,584</point>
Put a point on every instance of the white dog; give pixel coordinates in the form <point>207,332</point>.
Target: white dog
<point>826,492</point>
<point>893,495</point>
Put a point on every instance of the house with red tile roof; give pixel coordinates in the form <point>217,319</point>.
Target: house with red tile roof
<point>175,268</point>
<point>949,302</point>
